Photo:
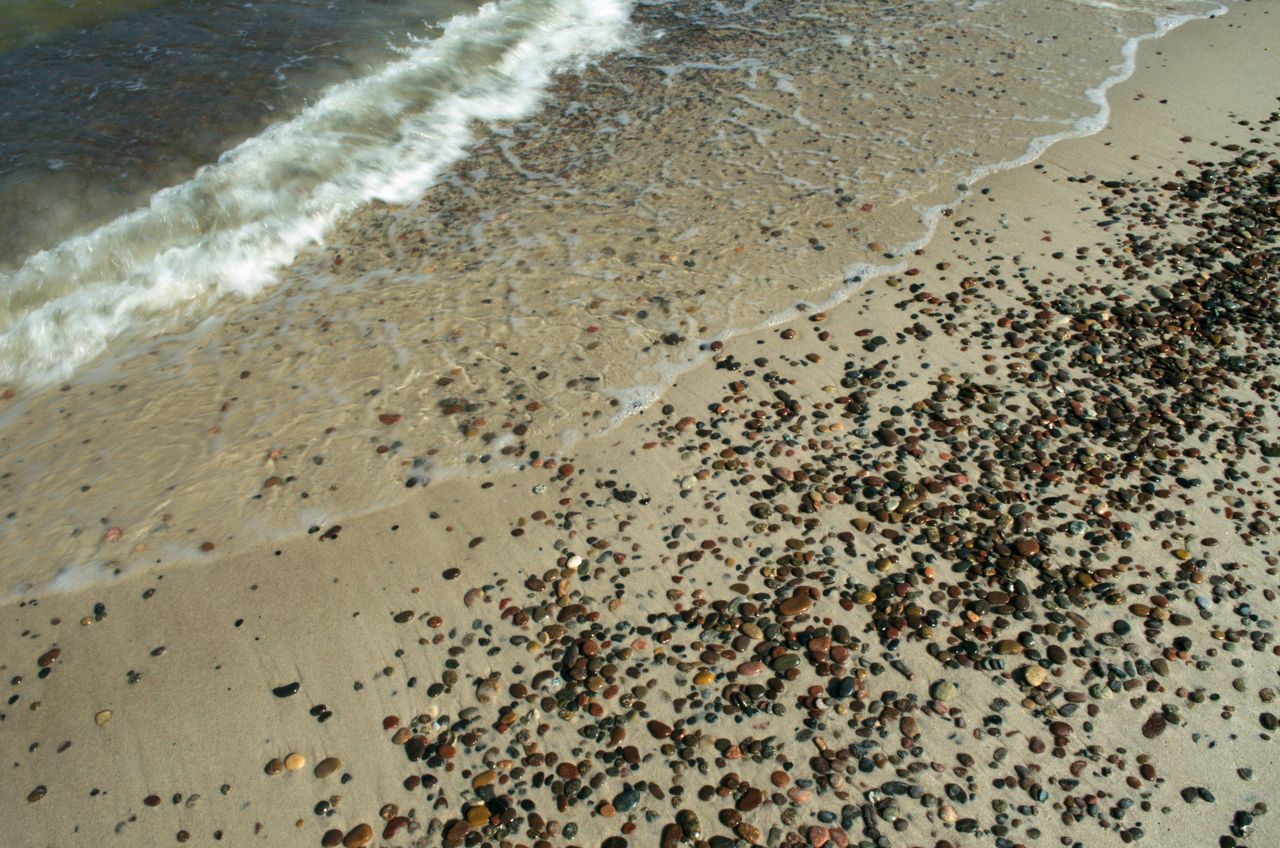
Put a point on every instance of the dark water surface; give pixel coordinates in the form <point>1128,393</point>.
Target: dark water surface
<point>102,103</point>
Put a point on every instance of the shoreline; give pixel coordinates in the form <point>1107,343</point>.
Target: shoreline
<point>447,347</point>
<point>324,613</point>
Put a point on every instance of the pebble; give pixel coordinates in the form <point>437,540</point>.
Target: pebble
<point>750,800</point>
<point>795,605</point>
<point>286,690</point>
<point>358,837</point>
<point>1034,675</point>
<point>658,729</point>
<point>327,766</point>
<point>943,690</point>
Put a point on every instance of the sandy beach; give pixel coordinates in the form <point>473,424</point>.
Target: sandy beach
<point>981,556</point>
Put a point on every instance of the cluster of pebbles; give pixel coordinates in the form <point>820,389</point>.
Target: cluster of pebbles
<point>900,611</point>
<point>895,602</point>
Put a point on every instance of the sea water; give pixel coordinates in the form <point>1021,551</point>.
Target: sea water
<point>447,242</point>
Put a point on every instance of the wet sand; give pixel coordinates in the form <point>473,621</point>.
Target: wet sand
<point>981,556</point>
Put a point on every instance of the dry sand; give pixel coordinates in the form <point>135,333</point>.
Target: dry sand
<point>1091,675</point>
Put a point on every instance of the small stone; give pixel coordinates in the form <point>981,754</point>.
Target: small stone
<point>1026,547</point>
<point>102,717</point>
<point>785,662</point>
<point>478,815</point>
<point>358,837</point>
<point>49,657</point>
<point>626,800</point>
<point>294,761</point>
<point>750,799</point>
<point>36,794</point>
<point>943,690</point>
<point>456,832</point>
<point>1034,675</point>
<point>1154,726</point>
<point>795,605</point>
<point>286,690</point>
<point>327,766</point>
<point>690,825</point>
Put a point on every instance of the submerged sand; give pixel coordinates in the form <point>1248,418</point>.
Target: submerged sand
<point>981,556</point>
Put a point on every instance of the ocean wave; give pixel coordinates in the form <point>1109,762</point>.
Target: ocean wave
<point>237,222</point>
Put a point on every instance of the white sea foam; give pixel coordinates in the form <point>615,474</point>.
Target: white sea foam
<point>229,229</point>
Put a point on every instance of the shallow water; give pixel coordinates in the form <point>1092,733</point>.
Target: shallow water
<point>705,168</point>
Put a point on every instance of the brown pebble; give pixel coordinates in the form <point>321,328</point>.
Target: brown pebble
<point>795,605</point>
<point>1154,726</point>
<point>750,799</point>
<point>331,838</point>
<point>327,766</point>
<point>1027,547</point>
<point>49,657</point>
<point>358,837</point>
<point>658,729</point>
<point>456,832</point>
<point>36,794</point>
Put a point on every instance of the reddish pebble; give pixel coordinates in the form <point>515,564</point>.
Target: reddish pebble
<point>389,418</point>
<point>566,470</point>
